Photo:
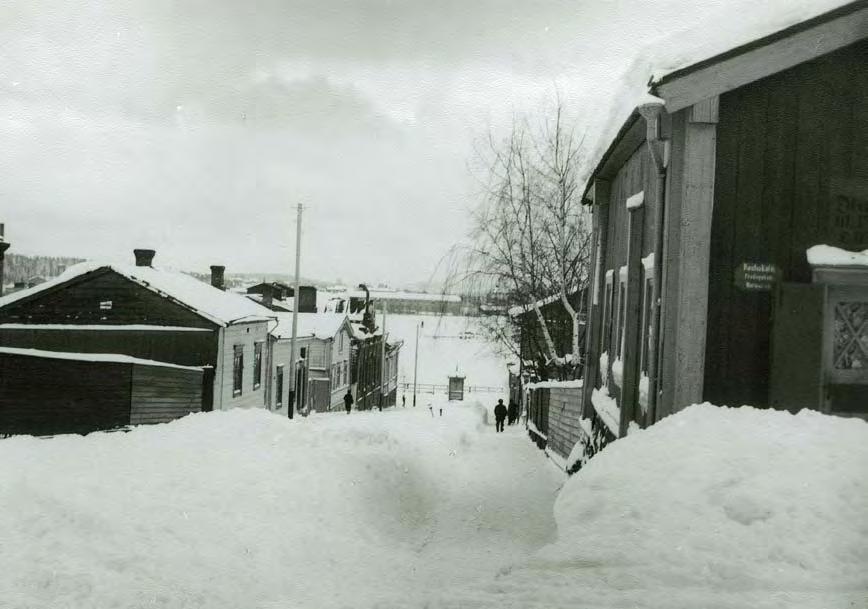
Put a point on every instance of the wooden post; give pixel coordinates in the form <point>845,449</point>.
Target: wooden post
<point>690,203</point>
<point>632,318</point>
<point>600,193</point>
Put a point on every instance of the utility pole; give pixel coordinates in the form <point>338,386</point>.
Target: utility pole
<point>383,354</point>
<point>292,364</point>
<point>4,245</point>
<point>416,361</point>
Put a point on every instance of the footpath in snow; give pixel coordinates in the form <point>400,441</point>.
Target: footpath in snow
<point>713,508</point>
<point>246,509</point>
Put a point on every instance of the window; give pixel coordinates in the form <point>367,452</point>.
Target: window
<point>647,296</point>
<point>622,311</point>
<point>341,341</point>
<point>346,378</point>
<point>237,369</point>
<point>278,388</point>
<point>607,314</point>
<point>257,365</point>
<point>303,353</point>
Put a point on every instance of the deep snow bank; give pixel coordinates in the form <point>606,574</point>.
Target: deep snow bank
<point>712,507</point>
<point>247,509</point>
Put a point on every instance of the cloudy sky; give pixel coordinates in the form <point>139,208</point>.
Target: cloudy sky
<point>195,126</point>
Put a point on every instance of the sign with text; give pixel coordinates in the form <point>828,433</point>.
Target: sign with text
<point>756,276</point>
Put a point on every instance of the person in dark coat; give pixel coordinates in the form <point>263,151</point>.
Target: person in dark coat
<point>348,401</point>
<point>512,413</point>
<point>499,415</point>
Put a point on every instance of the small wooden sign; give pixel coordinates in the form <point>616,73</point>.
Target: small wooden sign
<point>756,276</point>
<point>848,213</point>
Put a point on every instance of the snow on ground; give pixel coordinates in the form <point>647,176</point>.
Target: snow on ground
<point>441,350</point>
<point>248,509</point>
<point>712,508</point>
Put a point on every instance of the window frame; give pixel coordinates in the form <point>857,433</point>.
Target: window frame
<point>648,279</point>
<point>237,370</point>
<point>257,364</point>
<point>278,384</point>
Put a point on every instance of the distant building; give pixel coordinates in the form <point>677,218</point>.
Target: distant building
<point>322,374</point>
<point>277,294</point>
<point>148,314</point>
<point>407,303</point>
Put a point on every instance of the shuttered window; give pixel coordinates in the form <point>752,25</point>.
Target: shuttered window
<point>278,390</point>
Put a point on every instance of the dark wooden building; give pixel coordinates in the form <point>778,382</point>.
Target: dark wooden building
<point>275,294</point>
<point>48,392</point>
<point>150,314</point>
<point>705,206</point>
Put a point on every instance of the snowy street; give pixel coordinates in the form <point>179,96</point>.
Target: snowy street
<point>401,509</point>
<point>246,509</point>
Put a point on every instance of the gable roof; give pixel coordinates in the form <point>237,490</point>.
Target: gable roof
<point>222,308</point>
<point>317,325</point>
<point>714,57</point>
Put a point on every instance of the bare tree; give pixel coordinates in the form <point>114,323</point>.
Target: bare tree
<point>530,243</point>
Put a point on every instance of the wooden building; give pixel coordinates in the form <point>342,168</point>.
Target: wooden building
<point>276,296</point>
<point>323,370</point>
<point>151,314</point>
<point>536,361</point>
<point>48,392</point>
<point>705,205</point>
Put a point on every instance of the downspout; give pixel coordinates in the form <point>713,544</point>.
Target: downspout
<point>651,111</point>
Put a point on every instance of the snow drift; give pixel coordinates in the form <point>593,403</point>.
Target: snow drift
<point>712,507</point>
<point>245,509</point>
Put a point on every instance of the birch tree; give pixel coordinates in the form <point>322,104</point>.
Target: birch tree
<point>530,244</point>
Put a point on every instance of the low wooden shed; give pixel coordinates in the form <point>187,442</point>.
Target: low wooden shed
<point>50,392</point>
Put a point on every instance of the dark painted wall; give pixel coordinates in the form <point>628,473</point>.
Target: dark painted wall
<point>791,172</point>
<point>50,396</point>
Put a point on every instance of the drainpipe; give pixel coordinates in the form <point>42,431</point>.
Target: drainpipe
<point>651,110</point>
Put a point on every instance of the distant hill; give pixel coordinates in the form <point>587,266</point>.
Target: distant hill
<point>24,268</point>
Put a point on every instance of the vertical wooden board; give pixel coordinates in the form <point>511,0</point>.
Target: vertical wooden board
<point>670,272</point>
<point>748,344</point>
<point>859,113</point>
<point>720,281</point>
<point>797,347</point>
<point>778,195</point>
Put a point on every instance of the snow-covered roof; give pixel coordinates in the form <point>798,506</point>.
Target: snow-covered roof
<point>521,309</point>
<point>113,358</point>
<point>102,327</point>
<point>826,255</point>
<point>396,295</point>
<point>318,325</point>
<point>211,303</point>
<point>661,59</point>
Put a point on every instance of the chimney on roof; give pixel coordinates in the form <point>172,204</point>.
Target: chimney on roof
<point>217,272</point>
<point>268,295</point>
<point>3,247</point>
<point>144,257</point>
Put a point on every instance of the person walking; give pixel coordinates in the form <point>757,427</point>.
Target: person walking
<point>499,415</point>
<point>348,401</point>
<point>512,412</point>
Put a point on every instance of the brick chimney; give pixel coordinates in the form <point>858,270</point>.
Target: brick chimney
<point>268,295</point>
<point>217,272</point>
<point>3,247</point>
<point>144,257</point>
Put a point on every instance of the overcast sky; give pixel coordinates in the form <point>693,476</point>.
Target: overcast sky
<point>195,126</point>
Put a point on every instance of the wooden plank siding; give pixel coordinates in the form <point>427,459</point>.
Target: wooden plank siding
<point>245,335</point>
<point>786,145</point>
<point>160,394</point>
<point>176,347</point>
<point>42,396</point>
<point>78,302</point>
<point>564,412</point>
